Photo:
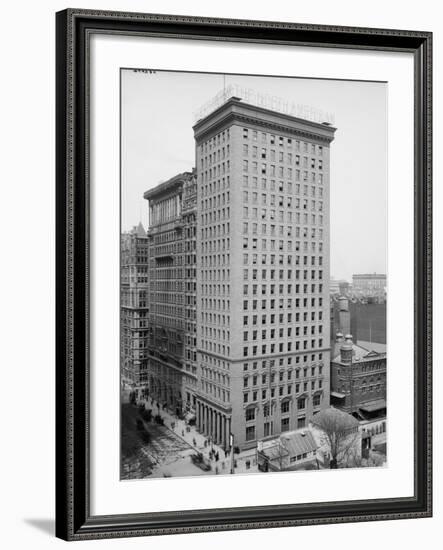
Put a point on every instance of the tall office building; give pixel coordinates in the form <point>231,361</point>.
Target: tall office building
<point>134,309</point>
<point>262,272</point>
<point>172,292</point>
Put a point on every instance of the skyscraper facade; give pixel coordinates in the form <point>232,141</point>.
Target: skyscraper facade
<point>134,309</point>
<point>262,272</point>
<point>172,293</point>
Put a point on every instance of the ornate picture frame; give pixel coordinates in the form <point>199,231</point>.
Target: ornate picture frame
<point>74,30</point>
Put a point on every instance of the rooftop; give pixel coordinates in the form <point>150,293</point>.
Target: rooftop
<point>167,186</point>
<point>292,443</point>
<point>236,109</point>
<point>361,351</point>
<point>369,276</point>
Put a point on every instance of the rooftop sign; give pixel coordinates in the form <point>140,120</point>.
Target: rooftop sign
<point>266,101</point>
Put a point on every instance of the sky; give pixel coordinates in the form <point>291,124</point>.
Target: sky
<point>157,114</point>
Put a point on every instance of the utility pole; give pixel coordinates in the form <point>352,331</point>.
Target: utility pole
<point>231,443</point>
<point>351,386</point>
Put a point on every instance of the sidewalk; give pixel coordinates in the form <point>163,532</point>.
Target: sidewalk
<point>193,438</point>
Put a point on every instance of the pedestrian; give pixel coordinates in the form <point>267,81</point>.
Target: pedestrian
<point>216,457</point>
<point>194,442</point>
<point>183,433</point>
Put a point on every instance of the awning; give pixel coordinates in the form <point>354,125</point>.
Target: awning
<point>337,394</point>
<point>373,405</point>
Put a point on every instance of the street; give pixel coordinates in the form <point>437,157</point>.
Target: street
<point>153,450</point>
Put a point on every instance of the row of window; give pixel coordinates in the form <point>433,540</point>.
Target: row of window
<point>283,361</point>
<point>216,201</point>
<point>265,378</point>
<point>215,216</point>
<point>272,139</point>
<point>216,334</point>
<point>215,274</point>
<point>215,245</point>
<point>281,244</point>
<point>218,319</point>
<point>216,260</point>
<point>265,153</point>
<point>215,289</point>
<point>215,186</point>
<point>265,349</point>
<point>285,407</point>
<point>272,289</point>
<point>272,170</point>
<point>288,188</point>
<point>218,155</point>
<point>272,334</point>
<point>282,202</point>
<point>264,319</point>
<point>279,274</point>
<point>282,303</point>
<point>217,140</point>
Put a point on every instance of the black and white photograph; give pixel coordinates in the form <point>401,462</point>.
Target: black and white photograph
<point>253,274</point>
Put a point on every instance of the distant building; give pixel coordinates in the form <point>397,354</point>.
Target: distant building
<point>338,286</point>
<point>358,378</point>
<point>341,319</point>
<point>369,284</point>
<point>344,287</point>
<point>134,309</point>
<point>365,321</point>
<point>172,292</point>
<point>368,322</point>
<point>334,286</point>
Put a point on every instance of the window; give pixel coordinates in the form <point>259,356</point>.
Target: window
<point>250,433</point>
<point>285,407</point>
<point>285,424</point>
<point>302,403</point>
<point>250,414</point>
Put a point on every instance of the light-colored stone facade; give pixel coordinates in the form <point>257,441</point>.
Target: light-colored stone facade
<point>262,272</point>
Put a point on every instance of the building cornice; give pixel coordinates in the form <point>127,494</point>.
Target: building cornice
<point>234,110</point>
<point>167,187</point>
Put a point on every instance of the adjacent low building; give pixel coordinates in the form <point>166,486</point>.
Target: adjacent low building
<point>358,378</point>
<point>289,451</point>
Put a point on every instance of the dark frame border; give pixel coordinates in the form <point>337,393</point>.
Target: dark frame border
<point>73,30</point>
